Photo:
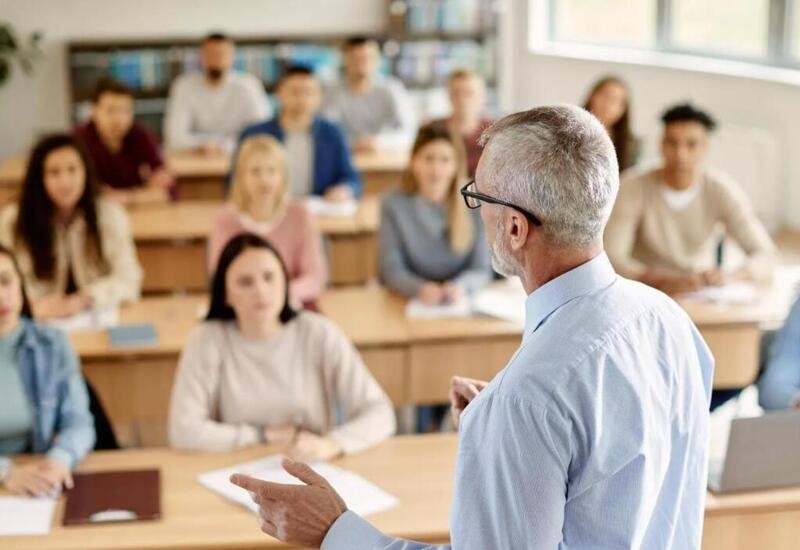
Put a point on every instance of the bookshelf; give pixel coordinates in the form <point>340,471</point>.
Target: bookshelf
<point>423,41</point>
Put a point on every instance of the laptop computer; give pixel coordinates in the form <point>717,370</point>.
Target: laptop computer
<point>763,452</point>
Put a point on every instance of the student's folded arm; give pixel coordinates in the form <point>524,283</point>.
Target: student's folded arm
<point>346,171</point>
<point>394,271</point>
<point>779,385</point>
<point>367,414</point>
<point>313,275</point>
<point>620,233</point>
<point>743,225</point>
<point>75,424</point>
<point>124,280</point>
<point>178,120</point>
<point>193,404</point>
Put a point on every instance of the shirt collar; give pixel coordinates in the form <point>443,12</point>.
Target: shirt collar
<point>593,275</point>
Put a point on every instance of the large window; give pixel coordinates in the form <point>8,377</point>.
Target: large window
<point>765,31</point>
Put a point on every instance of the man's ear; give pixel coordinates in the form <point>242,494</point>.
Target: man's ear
<point>518,228</point>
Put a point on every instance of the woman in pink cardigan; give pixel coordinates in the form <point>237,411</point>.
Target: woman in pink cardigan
<point>260,204</point>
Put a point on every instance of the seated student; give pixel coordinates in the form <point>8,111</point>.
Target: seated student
<point>75,250</point>
<point>779,384</point>
<point>431,246</point>
<point>317,155</point>
<point>258,371</point>
<point>124,153</point>
<point>260,204</point>
<point>207,110</point>
<point>667,222</point>
<point>467,92</point>
<point>375,112</point>
<point>44,406</point>
<point>610,101</point>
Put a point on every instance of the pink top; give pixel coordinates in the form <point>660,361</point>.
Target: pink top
<point>296,238</point>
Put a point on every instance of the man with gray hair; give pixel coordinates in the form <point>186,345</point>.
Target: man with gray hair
<point>594,435</point>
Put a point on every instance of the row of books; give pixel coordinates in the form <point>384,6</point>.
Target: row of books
<point>422,16</point>
<point>415,62</point>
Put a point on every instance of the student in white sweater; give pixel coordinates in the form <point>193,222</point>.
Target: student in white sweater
<point>257,371</point>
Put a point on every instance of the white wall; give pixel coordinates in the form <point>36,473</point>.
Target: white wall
<point>32,105</point>
<point>770,110</point>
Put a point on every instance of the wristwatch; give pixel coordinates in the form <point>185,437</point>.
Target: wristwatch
<point>5,469</point>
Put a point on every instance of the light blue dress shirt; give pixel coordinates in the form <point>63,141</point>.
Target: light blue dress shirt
<point>779,386</point>
<point>594,435</point>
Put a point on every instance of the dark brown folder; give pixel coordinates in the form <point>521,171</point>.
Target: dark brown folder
<point>102,497</point>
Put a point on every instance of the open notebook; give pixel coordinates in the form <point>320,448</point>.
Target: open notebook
<point>361,496</point>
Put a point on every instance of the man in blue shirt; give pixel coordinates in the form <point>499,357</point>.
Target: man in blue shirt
<point>594,435</point>
<point>317,156</point>
<point>779,385</point>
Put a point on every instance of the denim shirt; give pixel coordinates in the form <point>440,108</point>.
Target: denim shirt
<point>63,427</point>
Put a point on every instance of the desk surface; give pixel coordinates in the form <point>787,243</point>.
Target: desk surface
<point>188,165</point>
<point>418,470</point>
<point>192,220</point>
<point>370,316</point>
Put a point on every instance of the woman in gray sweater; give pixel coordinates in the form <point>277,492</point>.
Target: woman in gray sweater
<point>431,246</point>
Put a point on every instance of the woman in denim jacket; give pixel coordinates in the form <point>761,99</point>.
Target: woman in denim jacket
<point>44,405</point>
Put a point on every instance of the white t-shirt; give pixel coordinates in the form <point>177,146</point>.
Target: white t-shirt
<point>300,160</point>
<point>198,113</point>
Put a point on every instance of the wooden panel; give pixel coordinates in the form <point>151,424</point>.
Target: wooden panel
<point>377,183</point>
<point>173,266</point>
<point>432,365</point>
<point>776,530</point>
<point>201,189</point>
<point>353,259</point>
<point>388,366</point>
<point>135,394</point>
<point>736,351</point>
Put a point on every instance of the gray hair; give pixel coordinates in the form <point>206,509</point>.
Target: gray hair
<point>559,163</point>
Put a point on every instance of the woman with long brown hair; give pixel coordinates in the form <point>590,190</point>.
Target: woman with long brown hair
<point>431,246</point>
<point>75,249</point>
<point>610,101</point>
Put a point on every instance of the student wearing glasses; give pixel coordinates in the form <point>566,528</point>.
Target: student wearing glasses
<point>431,246</point>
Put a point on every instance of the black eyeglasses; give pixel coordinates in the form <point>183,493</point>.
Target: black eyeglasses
<point>473,200</point>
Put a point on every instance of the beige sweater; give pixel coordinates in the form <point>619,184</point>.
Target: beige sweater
<point>228,388</point>
<point>118,281</point>
<point>645,232</point>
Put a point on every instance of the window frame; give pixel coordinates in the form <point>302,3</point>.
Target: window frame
<point>781,52</point>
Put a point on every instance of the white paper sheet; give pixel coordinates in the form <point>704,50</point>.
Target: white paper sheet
<point>505,301</point>
<point>733,293</point>
<point>94,319</point>
<point>415,309</point>
<point>320,207</point>
<point>25,516</point>
<point>361,496</point>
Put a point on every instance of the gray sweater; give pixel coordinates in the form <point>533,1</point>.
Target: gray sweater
<point>415,247</point>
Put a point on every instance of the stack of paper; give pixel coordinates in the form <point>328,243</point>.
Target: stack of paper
<point>361,496</point>
<point>505,301</point>
<point>92,319</point>
<point>320,207</point>
<point>25,516</point>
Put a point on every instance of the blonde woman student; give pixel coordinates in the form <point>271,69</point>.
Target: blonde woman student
<point>432,246</point>
<point>260,204</point>
<point>259,371</point>
<point>74,248</point>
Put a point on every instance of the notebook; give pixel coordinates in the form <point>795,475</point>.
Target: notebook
<point>133,335</point>
<point>103,497</point>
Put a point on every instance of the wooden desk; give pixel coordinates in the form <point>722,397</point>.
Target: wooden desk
<point>744,521</point>
<point>418,470</point>
<point>413,360</point>
<point>171,242</point>
<point>203,176</point>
